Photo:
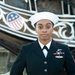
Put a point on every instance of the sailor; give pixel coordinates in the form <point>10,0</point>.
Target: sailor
<point>44,56</point>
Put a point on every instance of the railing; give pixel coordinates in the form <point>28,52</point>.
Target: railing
<point>64,30</point>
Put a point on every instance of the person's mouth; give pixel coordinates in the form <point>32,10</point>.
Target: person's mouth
<point>44,34</point>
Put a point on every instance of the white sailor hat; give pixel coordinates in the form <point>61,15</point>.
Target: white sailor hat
<point>43,15</point>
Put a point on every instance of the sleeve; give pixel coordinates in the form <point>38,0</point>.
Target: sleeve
<point>69,62</point>
<point>19,64</point>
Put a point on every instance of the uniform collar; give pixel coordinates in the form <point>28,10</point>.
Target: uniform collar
<point>47,45</point>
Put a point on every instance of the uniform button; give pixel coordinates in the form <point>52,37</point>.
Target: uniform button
<point>45,62</point>
<point>45,70</point>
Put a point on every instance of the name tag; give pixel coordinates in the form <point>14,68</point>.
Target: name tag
<point>58,56</point>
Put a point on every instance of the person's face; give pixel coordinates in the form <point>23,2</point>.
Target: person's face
<point>44,29</point>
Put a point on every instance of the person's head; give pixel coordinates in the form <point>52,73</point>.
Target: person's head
<point>43,23</point>
<point>73,53</point>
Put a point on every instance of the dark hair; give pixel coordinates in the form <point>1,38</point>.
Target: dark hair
<point>73,53</point>
<point>35,25</point>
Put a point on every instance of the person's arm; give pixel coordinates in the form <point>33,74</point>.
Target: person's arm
<point>69,62</point>
<point>19,64</point>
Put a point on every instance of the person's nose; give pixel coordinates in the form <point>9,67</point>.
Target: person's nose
<point>44,30</point>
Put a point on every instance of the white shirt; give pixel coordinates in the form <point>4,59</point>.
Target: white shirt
<point>44,50</point>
